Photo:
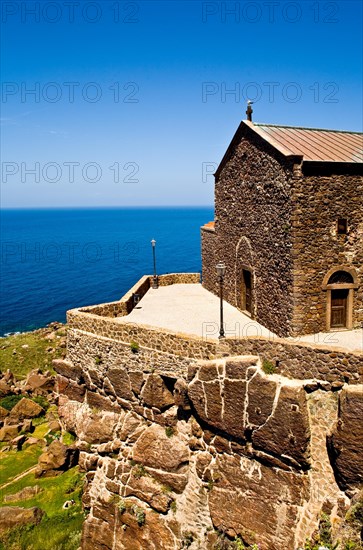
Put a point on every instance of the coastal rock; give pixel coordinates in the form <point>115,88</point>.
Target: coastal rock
<point>156,450</point>
<point>346,442</point>
<point>37,382</point>
<point>3,413</point>
<point>14,516</point>
<point>156,394</point>
<point>7,433</point>
<point>26,408</point>
<point>23,494</point>
<point>56,459</point>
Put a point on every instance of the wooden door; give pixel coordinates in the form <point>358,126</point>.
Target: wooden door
<point>339,300</point>
<point>247,291</point>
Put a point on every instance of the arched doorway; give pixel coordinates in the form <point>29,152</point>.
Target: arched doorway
<point>340,284</point>
<point>245,299</point>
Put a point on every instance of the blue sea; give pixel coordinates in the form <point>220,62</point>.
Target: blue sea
<point>57,259</point>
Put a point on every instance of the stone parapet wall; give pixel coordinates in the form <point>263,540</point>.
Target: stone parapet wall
<point>125,305</point>
<point>294,360</point>
<point>89,351</point>
<point>303,360</point>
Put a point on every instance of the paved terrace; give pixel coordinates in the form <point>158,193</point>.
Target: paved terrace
<point>191,309</point>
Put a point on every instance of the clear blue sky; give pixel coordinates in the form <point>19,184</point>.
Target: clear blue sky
<point>176,60</point>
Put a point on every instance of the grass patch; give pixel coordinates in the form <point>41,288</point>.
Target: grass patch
<point>268,367</point>
<point>59,529</point>
<point>61,532</point>
<point>68,438</point>
<point>10,401</point>
<point>14,462</point>
<point>55,491</point>
<point>32,357</point>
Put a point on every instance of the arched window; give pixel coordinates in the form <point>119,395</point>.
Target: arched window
<point>340,277</point>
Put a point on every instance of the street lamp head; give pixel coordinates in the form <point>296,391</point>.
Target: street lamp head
<point>153,243</point>
<point>221,269</point>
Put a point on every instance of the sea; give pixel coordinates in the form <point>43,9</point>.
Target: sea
<point>53,260</point>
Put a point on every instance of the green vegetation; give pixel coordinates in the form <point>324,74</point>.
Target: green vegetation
<point>169,431</point>
<point>121,506</point>
<point>139,471</point>
<point>323,537</point>
<point>10,401</point>
<point>68,438</point>
<point>42,401</point>
<point>59,528</point>
<point>22,353</point>
<point>268,367</point>
<point>98,360</point>
<point>139,514</point>
<point>15,462</point>
<point>134,346</point>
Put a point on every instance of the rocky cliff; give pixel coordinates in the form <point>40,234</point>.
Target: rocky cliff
<point>223,453</point>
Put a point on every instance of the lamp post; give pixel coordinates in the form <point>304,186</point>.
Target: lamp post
<point>221,269</point>
<point>155,277</point>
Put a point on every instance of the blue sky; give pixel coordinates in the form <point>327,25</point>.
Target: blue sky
<point>131,102</point>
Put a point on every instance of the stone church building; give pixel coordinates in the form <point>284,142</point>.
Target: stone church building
<point>289,228</point>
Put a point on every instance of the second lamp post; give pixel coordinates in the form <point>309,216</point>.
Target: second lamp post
<point>155,277</point>
<point>221,269</point>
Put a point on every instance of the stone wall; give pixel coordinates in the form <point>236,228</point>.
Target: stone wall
<point>208,244</point>
<point>164,349</point>
<point>127,303</point>
<point>224,451</point>
<point>319,201</point>
<point>253,210</point>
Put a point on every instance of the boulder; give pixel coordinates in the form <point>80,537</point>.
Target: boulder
<point>156,450</point>
<point>5,388</point>
<point>120,383</point>
<point>18,442</point>
<point>24,494</point>
<point>156,394</point>
<point>14,516</point>
<point>71,389</point>
<point>181,398</point>
<point>147,490</point>
<point>286,433</point>
<point>39,383</point>
<point>26,408</point>
<point>7,433</point>
<point>3,413</point>
<point>345,444</point>
<point>56,459</point>
<point>247,497</point>
<point>67,369</point>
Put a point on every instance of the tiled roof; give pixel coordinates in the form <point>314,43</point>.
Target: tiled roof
<point>313,144</point>
<point>209,226</point>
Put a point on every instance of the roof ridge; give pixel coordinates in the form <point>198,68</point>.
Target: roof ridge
<point>307,128</point>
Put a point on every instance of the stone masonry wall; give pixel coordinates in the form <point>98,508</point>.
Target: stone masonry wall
<point>90,334</point>
<point>253,210</point>
<point>224,451</point>
<point>209,274</point>
<point>319,202</point>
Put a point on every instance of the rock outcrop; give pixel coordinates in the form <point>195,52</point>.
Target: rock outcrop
<point>14,516</point>
<point>226,451</point>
